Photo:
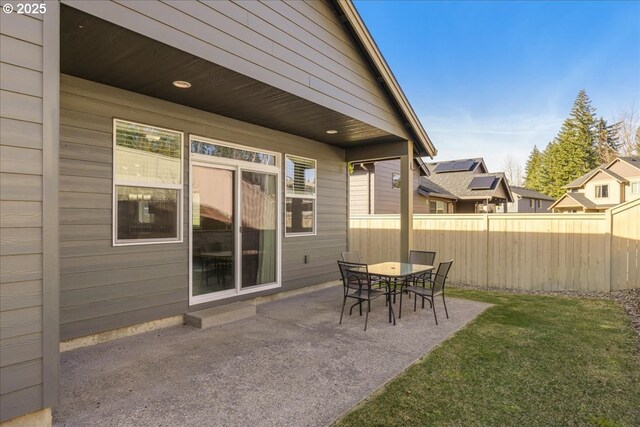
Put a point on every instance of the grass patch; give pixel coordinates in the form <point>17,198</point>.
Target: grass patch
<point>526,361</point>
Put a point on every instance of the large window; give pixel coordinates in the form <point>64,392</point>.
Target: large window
<point>300,192</point>
<point>602,191</point>
<point>147,181</point>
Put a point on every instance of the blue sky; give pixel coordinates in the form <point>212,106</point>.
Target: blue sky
<point>492,79</point>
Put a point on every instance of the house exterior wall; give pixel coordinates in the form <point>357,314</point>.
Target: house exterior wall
<point>299,47</point>
<point>387,198</point>
<point>615,195</point>
<point>522,205</point>
<point>105,287</point>
<point>465,206</point>
<point>28,221</point>
<point>624,169</point>
<point>361,191</point>
<point>635,178</point>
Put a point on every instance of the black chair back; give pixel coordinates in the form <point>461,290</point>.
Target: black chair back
<point>441,276</point>
<point>354,275</point>
<point>422,257</point>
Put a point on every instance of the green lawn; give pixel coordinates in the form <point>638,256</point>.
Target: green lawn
<point>526,361</point>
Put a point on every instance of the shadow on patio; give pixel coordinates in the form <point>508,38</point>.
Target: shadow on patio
<point>290,365</point>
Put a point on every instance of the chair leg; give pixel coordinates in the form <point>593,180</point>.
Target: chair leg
<point>445,306</point>
<point>366,318</point>
<point>344,301</point>
<point>435,316</point>
<point>400,311</point>
<point>415,302</point>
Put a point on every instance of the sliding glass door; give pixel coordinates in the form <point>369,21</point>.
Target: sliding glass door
<point>258,232</point>
<point>213,229</point>
<point>234,223</point>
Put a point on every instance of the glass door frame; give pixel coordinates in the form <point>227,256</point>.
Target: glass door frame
<point>238,166</point>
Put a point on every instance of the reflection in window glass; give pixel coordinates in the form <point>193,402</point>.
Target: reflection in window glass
<point>300,215</point>
<point>148,181</point>
<point>146,213</point>
<point>300,191</point>
<point>300,176</point>
<point>208,149</point>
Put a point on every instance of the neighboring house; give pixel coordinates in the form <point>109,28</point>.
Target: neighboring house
<point>145,145</point>
<point>602,188</point>
<point>529,201</point>
<point>374,188</point>
<point>456,186</point>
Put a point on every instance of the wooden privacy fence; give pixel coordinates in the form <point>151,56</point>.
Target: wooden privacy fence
<point>582,252</point>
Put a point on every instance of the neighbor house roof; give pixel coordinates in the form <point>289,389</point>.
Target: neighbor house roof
<point>581,200</point>
<point>587,177</point>
<point>361,35</point>
<point>446,166</point>
<point>530,194</point>
<point>459,184</point>
<point>633,161</point>
<point>429,188</point>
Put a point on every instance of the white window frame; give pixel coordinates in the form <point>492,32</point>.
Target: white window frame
<point>637,185</point>
<point>300,196</point>
<point>237,166</point>
<point>128,183</point>
<point>598,191</point>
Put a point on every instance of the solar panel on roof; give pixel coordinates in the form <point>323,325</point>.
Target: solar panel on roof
<point>463,165</point>
<point>482,182</point>
<point>443,167</point>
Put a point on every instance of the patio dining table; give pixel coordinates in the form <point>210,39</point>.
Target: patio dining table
<point>393,273</point>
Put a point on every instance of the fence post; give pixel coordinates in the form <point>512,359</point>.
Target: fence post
<point>607,248</point>
<point>486,249</point>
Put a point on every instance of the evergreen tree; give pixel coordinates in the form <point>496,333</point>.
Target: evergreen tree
<point>572,153</point>
<point>533,170</point>
<point>607,142</point>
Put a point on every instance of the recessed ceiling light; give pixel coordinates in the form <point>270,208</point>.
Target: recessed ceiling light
<point>182,84</point>
<point>332,131</point>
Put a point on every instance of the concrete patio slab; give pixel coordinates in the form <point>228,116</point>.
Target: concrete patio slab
<point>291,365</point>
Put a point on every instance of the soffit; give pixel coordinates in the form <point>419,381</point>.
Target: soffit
<point>97,50</point>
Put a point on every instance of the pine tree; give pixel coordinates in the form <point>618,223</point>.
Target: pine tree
<point>572,153</point>
<point>607,142</point>
<point>533,170</point>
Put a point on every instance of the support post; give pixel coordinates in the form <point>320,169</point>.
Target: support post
<point>406,203</point>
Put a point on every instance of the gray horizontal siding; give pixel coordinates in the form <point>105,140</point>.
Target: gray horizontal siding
<point>387,199</point>
<point>292,46</point>
<point>105,287</point>
<point>21,170</point>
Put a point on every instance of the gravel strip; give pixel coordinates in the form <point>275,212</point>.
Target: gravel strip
<point>629,299</point>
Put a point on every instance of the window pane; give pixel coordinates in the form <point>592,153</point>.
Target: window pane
<point>147,213</point>
<point>395,180</point>
<point>208,149</point>
<point>299,215</point>
<point>300,176</point>
<point>147,154</point>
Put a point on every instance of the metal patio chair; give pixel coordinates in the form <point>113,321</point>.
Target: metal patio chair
<point>436,287</point>
<point>356,284</point>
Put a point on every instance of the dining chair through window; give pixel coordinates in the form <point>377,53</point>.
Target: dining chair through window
<point>352,256</point>
<point>436,287</point>
<point>357,285</point>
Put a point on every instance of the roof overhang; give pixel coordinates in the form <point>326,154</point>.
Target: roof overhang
<point>422,144</point>
<point>98,50</point>
<point>595,172</point>
<point>426,193</point>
